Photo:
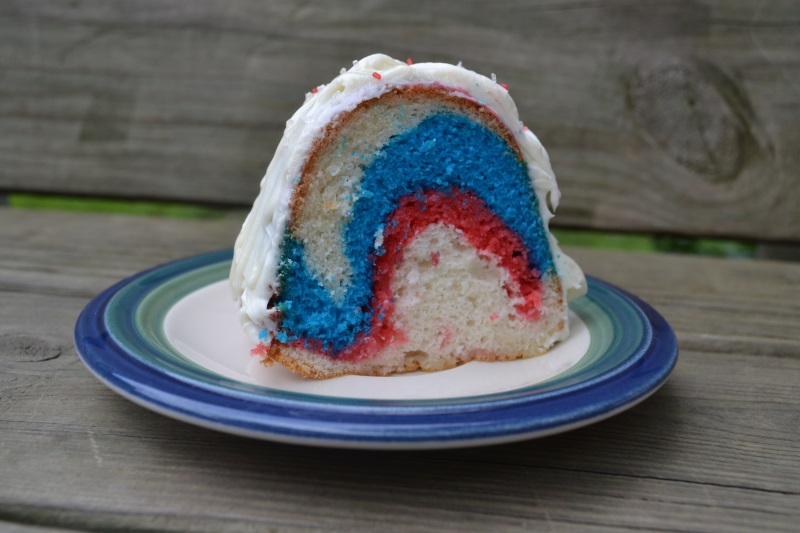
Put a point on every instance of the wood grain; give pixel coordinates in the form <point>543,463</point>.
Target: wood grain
<point>672,116</point>
<point>716,448</point>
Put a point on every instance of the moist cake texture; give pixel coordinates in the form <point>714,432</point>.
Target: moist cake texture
<point>403,225</point>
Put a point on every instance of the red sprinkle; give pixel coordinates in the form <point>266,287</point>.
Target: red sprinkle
<point>447,336</point>
<point>525,128</point>
<point>376,75</point>
<point>409,61</point>
<point>261,350</point>
<point>435,258</point>
<point>314,90</point>
<point>503,85</point>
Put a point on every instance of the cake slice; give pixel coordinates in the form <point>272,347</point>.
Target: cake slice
<point>403,225</point>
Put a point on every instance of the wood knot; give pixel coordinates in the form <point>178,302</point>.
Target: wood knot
<point>693,112</point>
<point>25,349</point>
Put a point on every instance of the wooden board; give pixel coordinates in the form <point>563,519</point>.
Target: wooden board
<point>716,448</point>
<point>672,116</point>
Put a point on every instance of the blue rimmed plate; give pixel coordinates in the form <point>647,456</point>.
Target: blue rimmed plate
<point>168,339</point>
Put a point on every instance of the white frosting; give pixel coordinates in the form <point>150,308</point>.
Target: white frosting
<point>257,249</point>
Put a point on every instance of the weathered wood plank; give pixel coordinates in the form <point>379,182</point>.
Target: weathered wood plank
<point>8,527</point>
<point>716,448</point>
<point>676,116</point>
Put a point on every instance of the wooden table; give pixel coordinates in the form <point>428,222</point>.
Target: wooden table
<point>715,449</point>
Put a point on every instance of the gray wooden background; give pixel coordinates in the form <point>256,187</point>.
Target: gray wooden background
<point>673,115</point>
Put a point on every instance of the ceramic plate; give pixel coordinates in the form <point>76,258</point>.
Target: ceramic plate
<point>168,339</point>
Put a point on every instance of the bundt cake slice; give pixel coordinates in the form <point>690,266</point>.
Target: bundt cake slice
<point>403,225</point>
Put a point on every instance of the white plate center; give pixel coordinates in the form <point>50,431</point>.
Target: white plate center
<point>204,327</point>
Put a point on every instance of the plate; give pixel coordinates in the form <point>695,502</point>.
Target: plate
<point>168,339</point>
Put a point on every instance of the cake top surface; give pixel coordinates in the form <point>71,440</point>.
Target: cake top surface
<point>254,271</point>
